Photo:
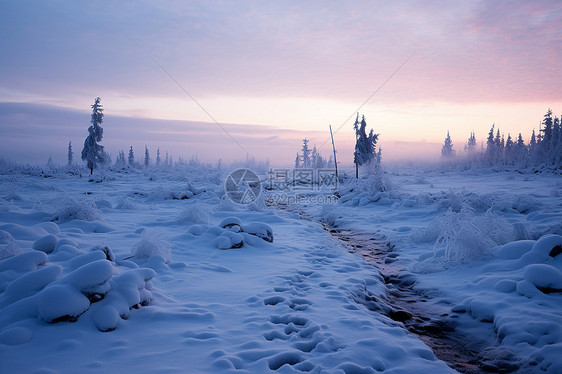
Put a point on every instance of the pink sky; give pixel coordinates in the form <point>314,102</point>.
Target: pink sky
<point>291,65</point>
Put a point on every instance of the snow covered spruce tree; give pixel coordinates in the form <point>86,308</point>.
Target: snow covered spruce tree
<point>365,145</point>
<point>93,153</point>
<point>447,150</point>
<point>70,154</point>
<point>491,155</point>
<point>306,162</point>
<point>158,159</point>
<point>146,157</point>
<point>131,158</point>
<point>470,146</point>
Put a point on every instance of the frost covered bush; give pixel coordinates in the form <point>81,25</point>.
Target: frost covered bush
<point>8,250</point>
<point>127,204</point>
<point>455,201</point>
<point>152,243</point>
<point>465,236</point>
<point>71,209</point>
<point>195,213</point>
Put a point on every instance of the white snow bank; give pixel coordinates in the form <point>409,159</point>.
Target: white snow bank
<point>60,302</point>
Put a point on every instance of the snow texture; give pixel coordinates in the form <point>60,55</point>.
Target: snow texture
<point>102,275</point>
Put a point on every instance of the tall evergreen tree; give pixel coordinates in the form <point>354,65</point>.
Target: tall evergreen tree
<point>70,155</point>
<point>509,153</point>
<point>520,150</point>
<point>146,157</point>
<point>120,162</point>
<point>533,149</point>
<point>297,161</point>
<point>491,150</point>
<point>547,129</point>
<point>554,155</point>
<point>131,158</point>
<point>306,161</point>
<point>158,157</point>
<point>470,146</point>
<point>314,157</point>
<point>93,153</point>
<point>447,150</point>
<point>364,144</point>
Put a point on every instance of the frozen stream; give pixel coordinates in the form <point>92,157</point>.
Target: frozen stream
<point>430,322</point>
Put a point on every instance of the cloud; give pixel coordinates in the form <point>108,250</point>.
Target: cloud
<point>463,51</point>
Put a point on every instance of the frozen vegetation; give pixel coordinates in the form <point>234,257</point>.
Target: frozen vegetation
<point>157,271</point>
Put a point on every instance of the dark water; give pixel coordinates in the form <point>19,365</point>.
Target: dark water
<point>412,307</point>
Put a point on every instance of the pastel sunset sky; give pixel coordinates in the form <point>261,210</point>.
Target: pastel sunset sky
<point>273,72</point>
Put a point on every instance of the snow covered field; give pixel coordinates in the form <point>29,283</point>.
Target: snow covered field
<point>140,257</point>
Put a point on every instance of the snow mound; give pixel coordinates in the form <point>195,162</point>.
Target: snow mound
<point>26,261</point>
<point>133,286</point>
<point>29,284</point>
<point>91,279</point>
<point>177,192</point>
<point>545,278</point>
<point>514,250</point>
<point>228,239</point>
<point>106,318</point>
<point>261,230</point>
<point>232,233</point>
<point>60,302</point>
<point>46,243</point>
<point>230,222</point>
<point>546,249</point>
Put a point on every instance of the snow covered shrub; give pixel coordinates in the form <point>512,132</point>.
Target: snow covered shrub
<point>226,205</point>
<point>455,201</point>
<point>152,243</point>
<point>461,239</point>
<point>329,214</point>
<point>464,236</point>
<point>127,204</point>
<point>10,249</point>
<point>71,209</point>
<point>195,213</point>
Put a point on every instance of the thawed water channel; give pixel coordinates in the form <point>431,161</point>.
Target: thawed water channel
<point>430,322</point>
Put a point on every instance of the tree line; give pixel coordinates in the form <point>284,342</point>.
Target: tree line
<point>544,148</point>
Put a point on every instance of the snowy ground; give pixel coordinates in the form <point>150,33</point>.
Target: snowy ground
<point>181,304</point>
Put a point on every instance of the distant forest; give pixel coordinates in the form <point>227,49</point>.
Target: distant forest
<point>544,149</point>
